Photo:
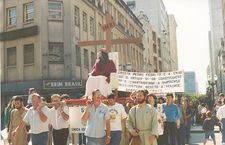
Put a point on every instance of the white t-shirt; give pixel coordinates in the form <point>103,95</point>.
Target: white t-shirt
<point>36,125</point>
<point>117,113</point>
<point>221,112</point>
<point>56,119</point>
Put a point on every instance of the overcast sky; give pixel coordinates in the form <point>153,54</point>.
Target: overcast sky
<point>193,22</point>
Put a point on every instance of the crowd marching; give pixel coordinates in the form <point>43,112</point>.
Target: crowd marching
<point>162,121</point>
<point>144,118</point>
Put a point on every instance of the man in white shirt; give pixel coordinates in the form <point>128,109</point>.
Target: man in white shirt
<point>37,118</point>
<point>221,116</point>
<point>117,117</point>
<point>59,119</point>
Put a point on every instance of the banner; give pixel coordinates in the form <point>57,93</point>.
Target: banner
<point>76,124</point>
<point>163,82</point>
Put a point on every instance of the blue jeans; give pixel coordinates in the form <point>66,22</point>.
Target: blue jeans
<point>115,137</point>
<point>39,139</point>
<point>223,130</point>
<point>95,141</point>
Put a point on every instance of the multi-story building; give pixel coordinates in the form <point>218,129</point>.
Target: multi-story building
<point>156,12</point>
<point>216,38</point>
<point>39,40</point>
<point>173,42</point>
<point>190,83</point>
<point>152,52</point>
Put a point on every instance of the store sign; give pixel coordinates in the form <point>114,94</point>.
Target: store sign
<point>62,84</point>
<point>163,82</point>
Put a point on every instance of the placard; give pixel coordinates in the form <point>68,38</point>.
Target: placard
<point>76,123</point>
<point>163,82</point>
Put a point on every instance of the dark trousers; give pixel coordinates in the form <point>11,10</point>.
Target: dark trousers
<point>60,136</point>
<point>170,133</point>
<point>181,135</point>
<point>161,140</point>
<point>82,139</point>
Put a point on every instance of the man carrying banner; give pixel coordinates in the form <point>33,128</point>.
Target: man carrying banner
<point>142,120</point>
<point>97,117</point>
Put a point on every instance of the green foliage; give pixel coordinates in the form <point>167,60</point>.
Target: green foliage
<point>201,98</point>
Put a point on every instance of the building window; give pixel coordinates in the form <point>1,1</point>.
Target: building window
<point>56,52</point>
<point>93,58</point>
<point>11,56</point>
<point>85,21</point>
<point>28,51</point>
<point>11,16</point>
<point>77,16</point>
<point>78,56</point>
<point>55,10</point>
<point>92,25</point>
<point>86,59</point>
<point>28,12</point>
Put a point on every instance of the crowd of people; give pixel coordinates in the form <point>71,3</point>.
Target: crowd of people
<point>162,121</point>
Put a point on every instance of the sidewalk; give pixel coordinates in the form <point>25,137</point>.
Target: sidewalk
<point>198,129</point>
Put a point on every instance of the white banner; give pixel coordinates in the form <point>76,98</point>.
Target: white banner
<point>76,124</point>
<point>163,82</point>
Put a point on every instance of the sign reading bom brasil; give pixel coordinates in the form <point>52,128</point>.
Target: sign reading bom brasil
<point>162,82</point>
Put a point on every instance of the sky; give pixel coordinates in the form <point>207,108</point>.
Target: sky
<point>192,17</point>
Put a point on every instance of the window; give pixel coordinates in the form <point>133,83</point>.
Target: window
<point>55,10</point>
<point>78,56</point>
<point>100,33</point>
<point>56,52</point>
<point>92,30</point>
<point>11,16</point>
<point>86,58</point>
<point>28,51</point>
<point>93,58</point>
<point>84,21</point>
<point>11,56</point>
<point>77,16</point>
<point>28,12</point>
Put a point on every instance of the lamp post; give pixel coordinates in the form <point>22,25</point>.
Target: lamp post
<point>212,84</point>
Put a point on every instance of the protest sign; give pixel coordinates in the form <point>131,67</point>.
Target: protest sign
<point>76,124</point>
<point>163,82</point>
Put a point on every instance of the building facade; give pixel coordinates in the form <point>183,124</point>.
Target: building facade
<point>156,12</point>
<point>39,40</point>
<point>173,42</point>
<point>152,52</point>
<point>216,39</point>
<point>190,83</point>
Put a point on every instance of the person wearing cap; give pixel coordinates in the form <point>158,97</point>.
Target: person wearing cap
<point>117,120</point>
<point>17,115</point>
<point>142,120</point>
<point>99,77</point>
<point>37,118</point>
<point>97,117</point>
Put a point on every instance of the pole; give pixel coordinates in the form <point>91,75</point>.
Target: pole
<point>213,96</point>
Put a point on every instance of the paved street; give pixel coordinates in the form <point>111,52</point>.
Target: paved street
<point>197,136</point>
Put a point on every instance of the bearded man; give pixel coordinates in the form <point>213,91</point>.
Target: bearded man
<point>16,118</point>
<point>142,120</point>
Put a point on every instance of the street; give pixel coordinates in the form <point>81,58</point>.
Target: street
<point>197,136</point>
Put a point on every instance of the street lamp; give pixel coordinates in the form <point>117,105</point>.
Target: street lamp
<point>212,84</point>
